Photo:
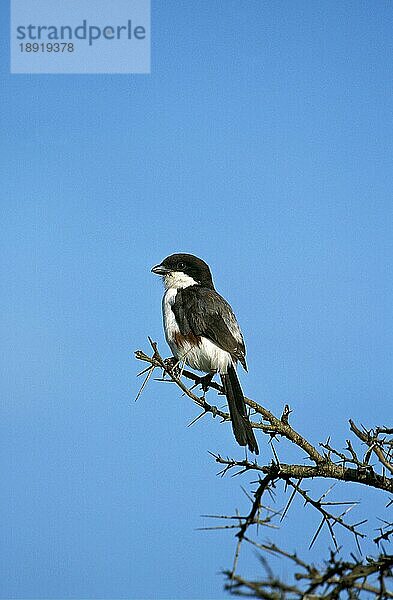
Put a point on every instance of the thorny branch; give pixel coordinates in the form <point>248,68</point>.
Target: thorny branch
<point>352,464</point>
<point>335,577</point>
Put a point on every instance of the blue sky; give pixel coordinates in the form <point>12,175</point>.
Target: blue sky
<point>262,142</point>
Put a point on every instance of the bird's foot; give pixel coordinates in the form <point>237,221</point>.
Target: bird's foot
<point>172,366</point>
<point>205,382</point>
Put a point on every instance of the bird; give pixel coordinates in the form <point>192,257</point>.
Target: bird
<point>202,331</point>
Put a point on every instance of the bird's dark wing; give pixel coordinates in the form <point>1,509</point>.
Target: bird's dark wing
<point>204,312</point>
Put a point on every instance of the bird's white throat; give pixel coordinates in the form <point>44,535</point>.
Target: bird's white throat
<point>177,280</point>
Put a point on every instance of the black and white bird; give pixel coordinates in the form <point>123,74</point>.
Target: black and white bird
<point>202,331</point>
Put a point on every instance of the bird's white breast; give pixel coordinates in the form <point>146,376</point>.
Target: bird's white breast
<point>170,325</point>
<point>205,356</point>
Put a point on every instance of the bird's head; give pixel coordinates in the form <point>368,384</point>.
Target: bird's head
<point>183,270</point>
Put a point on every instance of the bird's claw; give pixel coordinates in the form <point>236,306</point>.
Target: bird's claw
<point>205,382</point>
<point>172,366</point>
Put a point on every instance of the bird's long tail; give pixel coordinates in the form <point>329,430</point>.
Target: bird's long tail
<point>237,409</point>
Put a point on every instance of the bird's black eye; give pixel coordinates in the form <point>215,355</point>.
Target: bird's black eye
<point>180,265</point>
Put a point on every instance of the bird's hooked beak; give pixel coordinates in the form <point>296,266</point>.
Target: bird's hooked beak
<point>160,270</point>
